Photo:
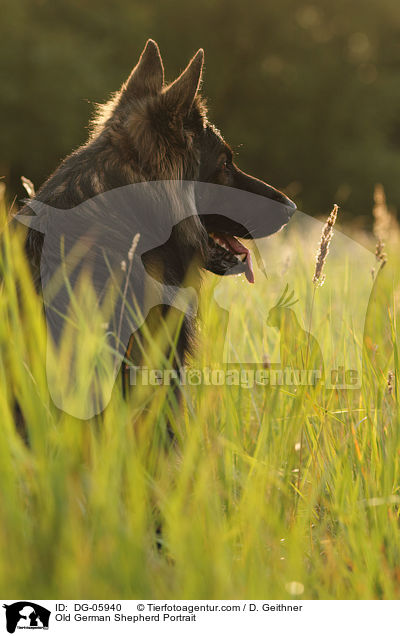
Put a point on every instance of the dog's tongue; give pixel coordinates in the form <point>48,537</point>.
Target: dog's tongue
<point>237,247</point>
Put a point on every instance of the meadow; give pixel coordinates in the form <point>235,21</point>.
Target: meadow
<point>266,492</point>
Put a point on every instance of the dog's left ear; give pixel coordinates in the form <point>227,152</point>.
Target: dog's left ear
<point>182,92</point>
<point>147,78</point>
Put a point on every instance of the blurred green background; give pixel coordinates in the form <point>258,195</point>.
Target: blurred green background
<point>307,93</point>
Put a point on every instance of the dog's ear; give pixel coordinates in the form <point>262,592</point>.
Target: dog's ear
<point>182,92</point>
<point>147,78</point>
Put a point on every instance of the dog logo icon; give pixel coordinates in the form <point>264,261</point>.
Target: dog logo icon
<point>26,615</point>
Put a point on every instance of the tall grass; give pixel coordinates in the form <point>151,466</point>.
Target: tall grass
<point>82,503</point>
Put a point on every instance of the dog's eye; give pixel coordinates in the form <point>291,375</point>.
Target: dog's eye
<point>224,163</point>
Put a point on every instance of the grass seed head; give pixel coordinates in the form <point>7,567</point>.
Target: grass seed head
<point>29,187</point>
<point>133,247</point>
<point>380,255</point>
<point>383,219</point>
<point>323,249</point>
<point>390,382</point>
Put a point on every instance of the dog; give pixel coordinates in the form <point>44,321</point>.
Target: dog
<point>154,132</point>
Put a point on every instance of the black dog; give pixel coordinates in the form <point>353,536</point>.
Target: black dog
<point>156,132</point>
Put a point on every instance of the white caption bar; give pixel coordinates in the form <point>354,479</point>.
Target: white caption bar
<point>192,617</point>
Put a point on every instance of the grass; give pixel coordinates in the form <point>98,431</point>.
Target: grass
<point>241,515</point>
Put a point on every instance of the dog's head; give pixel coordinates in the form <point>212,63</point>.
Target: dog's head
<point>161,131</point>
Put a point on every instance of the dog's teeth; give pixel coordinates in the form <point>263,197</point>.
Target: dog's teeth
<point>242,257</point>
<point>219,242</point>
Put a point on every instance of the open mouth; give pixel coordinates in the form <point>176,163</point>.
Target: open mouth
<point>234,257</point>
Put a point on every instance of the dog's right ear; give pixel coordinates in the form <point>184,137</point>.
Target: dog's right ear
<point>147,78</point>
<point>183,90</point>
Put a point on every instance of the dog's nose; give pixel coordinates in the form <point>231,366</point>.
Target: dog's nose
<point>288,203</point>
<point>291,205</point>
<point>246,182</point>
<point>276,195</point>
